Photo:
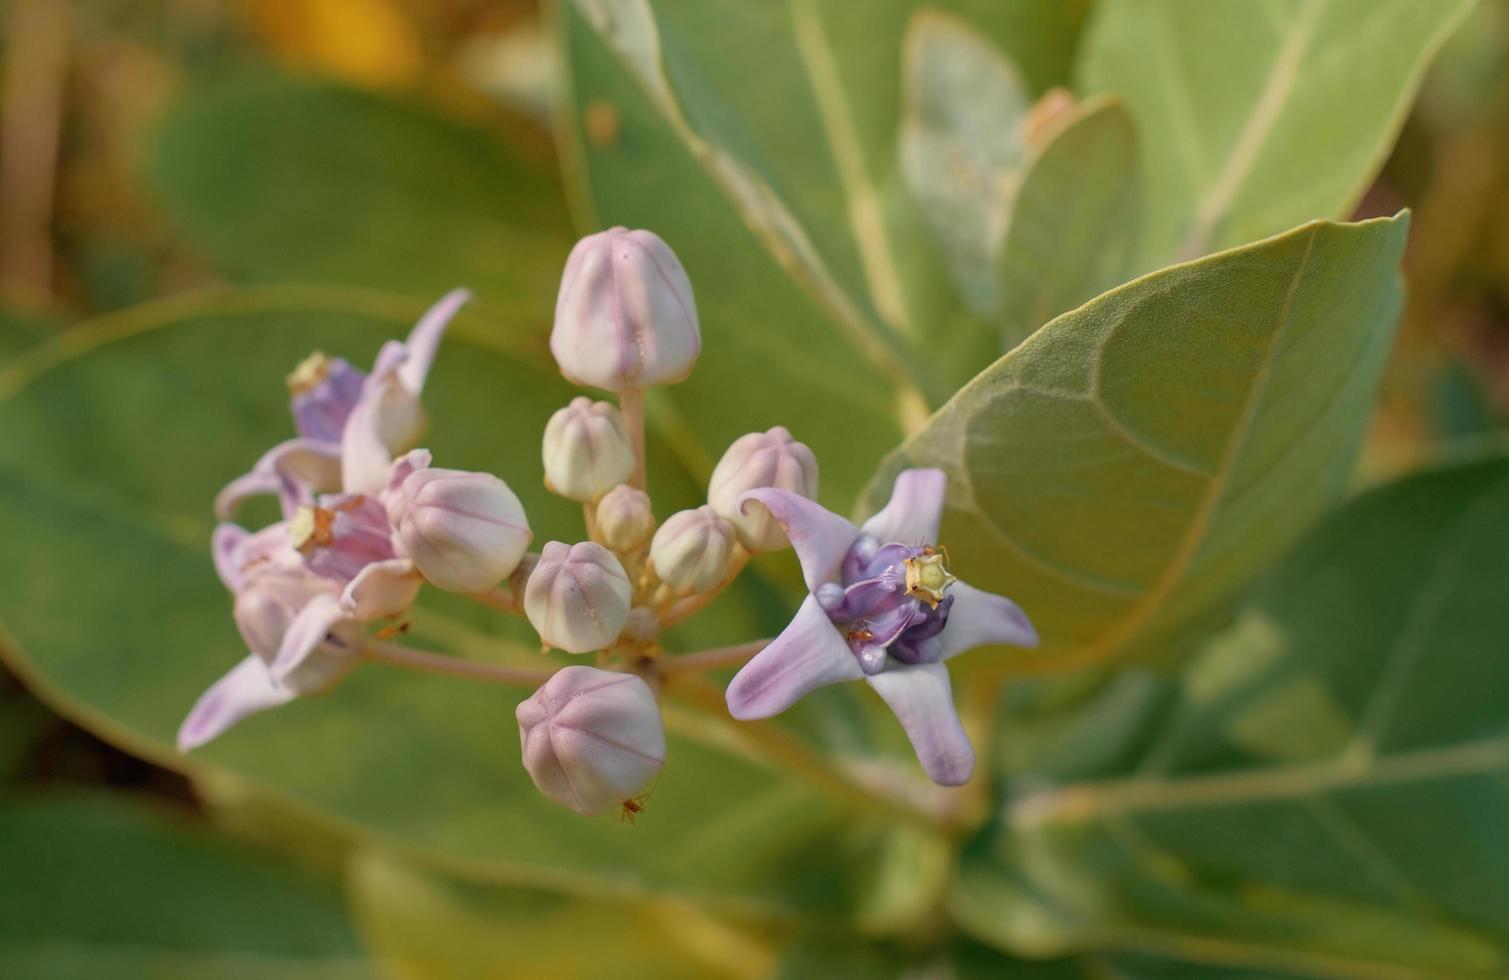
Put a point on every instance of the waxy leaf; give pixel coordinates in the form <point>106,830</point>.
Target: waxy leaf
<point>963,140</point>
<point>113,441</point>
<point>276,180</point>
<point>1254,117</point>
<point>97,887</point>
<point>765,143</point>
<point>420,925</point>
<point>1323,789</point>
<point>1126,470</point>
<point>1070,228</point>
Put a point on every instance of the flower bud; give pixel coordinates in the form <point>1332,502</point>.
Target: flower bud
<point>464,531</point>
<point>624,519</point>
<point>577,597</point>
<point>587,450</point>
<point>625,317</point>
<point>592,738</point>
<point>756,461</point>
<point>691,551</point>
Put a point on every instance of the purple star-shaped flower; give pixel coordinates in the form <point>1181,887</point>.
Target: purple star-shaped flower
<point>350,424</point>
<point>883,606</point>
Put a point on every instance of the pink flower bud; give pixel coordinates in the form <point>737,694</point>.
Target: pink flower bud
<point>592,738</point>
<point>464,531</point>
<point>587,450</point>
<point>691,551</point>
<point>577,597</point>
<point>624,519</point>
<point>625,317</point>
<point>752,462</point>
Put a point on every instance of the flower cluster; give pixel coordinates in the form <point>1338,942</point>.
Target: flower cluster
<point>367,522</point>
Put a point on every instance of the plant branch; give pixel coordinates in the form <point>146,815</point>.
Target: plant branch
<point>437,663</point>
<point>631,406</point>
<point>779,746</point>
<point>730,656</point>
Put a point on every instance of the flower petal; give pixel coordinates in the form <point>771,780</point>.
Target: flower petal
<point>365,458</point>
<point>295,470</point>
<point>424,339</point>
<point>821,538</point>
<point>923,702</point>
<point>810,653</point>
<point>978,618</point>
<point>382,589</point>
<point>305,634</point>
<point>226,545</point>
<point>915,508</point>
<point>246,690</point>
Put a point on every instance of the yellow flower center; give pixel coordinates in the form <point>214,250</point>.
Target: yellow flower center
<point>309,373</point>
<point>310,528</point>
<point>928,577</point>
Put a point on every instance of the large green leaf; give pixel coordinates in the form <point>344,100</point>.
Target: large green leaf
<point>276,180</point>
<point>763,141</point>
<point>113,440</point>
<point>1135,462</point>
<point>1324,788</point>
<point>1070,228</point>
<point>424,926</point>
<point>1254,117</point>
<point>95,887</point>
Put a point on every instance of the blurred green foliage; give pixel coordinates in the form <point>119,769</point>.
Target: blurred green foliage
<point>874,202</point>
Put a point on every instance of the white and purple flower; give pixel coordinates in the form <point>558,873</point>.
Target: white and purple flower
<point>883,606</point>
<point>350,424</point>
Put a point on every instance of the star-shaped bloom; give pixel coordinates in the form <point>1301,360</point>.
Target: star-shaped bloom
<point>350,424</point>
<point>883,606</point>
<point>304,588</point>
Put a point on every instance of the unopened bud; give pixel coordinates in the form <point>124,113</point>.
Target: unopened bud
<point>624,519</point>
<point>577,597</point>
<point>592,738</point>
<point>753,462</point>
<point>464,531</point>
<point>625,317</point>
<point>587,450</point>
<point>692,549</point>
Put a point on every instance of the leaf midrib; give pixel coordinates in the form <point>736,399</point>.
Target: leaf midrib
<point>1142,612</point>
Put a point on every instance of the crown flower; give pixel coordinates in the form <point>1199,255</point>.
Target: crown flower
<point>883,607</point>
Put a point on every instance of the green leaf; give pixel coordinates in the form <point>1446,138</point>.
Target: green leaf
<point>1071,226</point>
<point>21,329</point>
<point>274,179</point>
<point>962,146</point>
<point>97,887</point>
<point>1323,789</point>
<point>1254,117</point>
<point>113,440</point>
<point>424,926</point>
<point>762,141</point>
<point>1130,467</point>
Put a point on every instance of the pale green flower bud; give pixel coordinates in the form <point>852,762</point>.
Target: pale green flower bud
<point>587,450</point>
<point>624,519</point>
<point>692,550</point>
